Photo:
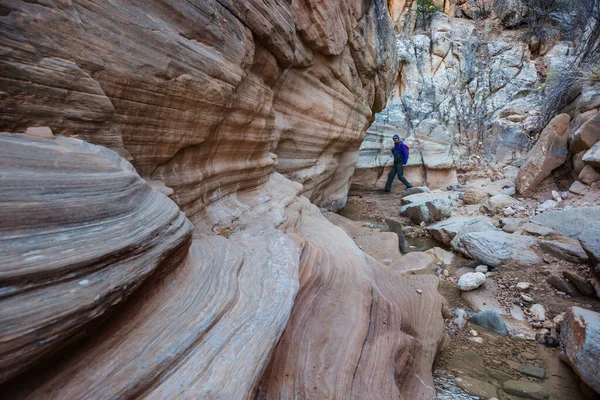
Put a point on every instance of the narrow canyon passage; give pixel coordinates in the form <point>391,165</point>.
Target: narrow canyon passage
<point>193,203</point>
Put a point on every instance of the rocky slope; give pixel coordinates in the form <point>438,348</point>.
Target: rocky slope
<point>242,113</point>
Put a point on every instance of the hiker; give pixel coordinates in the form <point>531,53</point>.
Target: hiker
<point>400,152</point>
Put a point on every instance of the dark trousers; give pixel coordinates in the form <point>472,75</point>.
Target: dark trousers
<point>397,169</point>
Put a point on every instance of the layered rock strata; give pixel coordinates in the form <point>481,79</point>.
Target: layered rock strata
<point>222,88</point>
<point>207,101</point>
<point>79,232</point>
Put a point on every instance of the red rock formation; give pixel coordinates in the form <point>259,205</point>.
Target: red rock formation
<point>210,98</point>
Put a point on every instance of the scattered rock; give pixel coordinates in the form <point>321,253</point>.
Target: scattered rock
<point>538,312</point>
<point>547,205</point>
<point>562,285</point>
<point>578,163</point>
<point>524,286</point>
<point>460,318</point>
<point>586,135</point>
<point>525,389</point>
<point>582,286</point>
<point>508,211</point>
<point>40,131</point>
<point>497,203</point>
<point>569,222</point>
<point>467,363</point>
<point>428,207</point>
<point>590,240</point>
<point>588,175</point>
<point>481,268</point>
<point>532,370</point>
<point>414,190</point>
<point>526,298</point>
<point>578,188</point>
<point>592,156</point>
<point>495,248</point>
<point>473,333</point>
<point>474,196</point>
<point>445,231</point>
<point>549,152</point>
<point>471,281</point>
<point>509,191</point>
<point>476,387</point>
<point>566,249</point>
<point>556,196</point>
<point>537,230</point>
<point>490,320</point>
<point>580,343</point>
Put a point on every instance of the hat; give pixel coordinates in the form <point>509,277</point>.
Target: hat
<point>396,136</point>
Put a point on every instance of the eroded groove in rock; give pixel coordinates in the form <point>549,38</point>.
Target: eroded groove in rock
<point>79,231</point>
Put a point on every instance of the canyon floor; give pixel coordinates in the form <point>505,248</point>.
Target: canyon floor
<point>477,359</point>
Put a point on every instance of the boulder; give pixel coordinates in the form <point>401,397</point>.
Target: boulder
<point>569,222</point>
<point>428,207</point>
<point>566,249</point>
<point>471,281</point>
<point>586,136</point>
<point>490,320</point>
<point>496,248</point>
<point>474,196</point>
<point>498,203</point>
<point>445,231</point>
<point>590,240</point>
<point>580,344</point>
<point>549,152</point>
<point>592,156</point>
<point>589,175</point>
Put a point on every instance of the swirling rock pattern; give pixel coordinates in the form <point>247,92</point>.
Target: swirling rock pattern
<point>207,99</point>
<point>79,231</point>
<point>203,95</point>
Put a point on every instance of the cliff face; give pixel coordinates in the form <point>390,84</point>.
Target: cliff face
<point>152,82</point>
<point>242,113</point>
<point>464,86</point>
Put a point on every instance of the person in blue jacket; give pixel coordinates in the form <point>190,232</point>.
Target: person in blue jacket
<point>400,159</point>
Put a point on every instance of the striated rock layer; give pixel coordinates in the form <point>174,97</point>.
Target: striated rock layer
<point>79,231</point>
<point>207,99</point>
<point>210,327</point>
<point>217,87</point>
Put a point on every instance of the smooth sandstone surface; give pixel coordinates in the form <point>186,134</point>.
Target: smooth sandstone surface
<point>79,231</point>
<point>235,110</point>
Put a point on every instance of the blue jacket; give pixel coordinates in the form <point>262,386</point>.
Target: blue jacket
<point>400,153</point>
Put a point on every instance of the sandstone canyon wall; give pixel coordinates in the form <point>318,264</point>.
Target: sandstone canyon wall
<point>242,113</point>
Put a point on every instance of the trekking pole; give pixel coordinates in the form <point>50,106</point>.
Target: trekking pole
<point>383,168</point>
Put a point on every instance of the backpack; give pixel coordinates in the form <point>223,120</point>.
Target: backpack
<point>407,151</point>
